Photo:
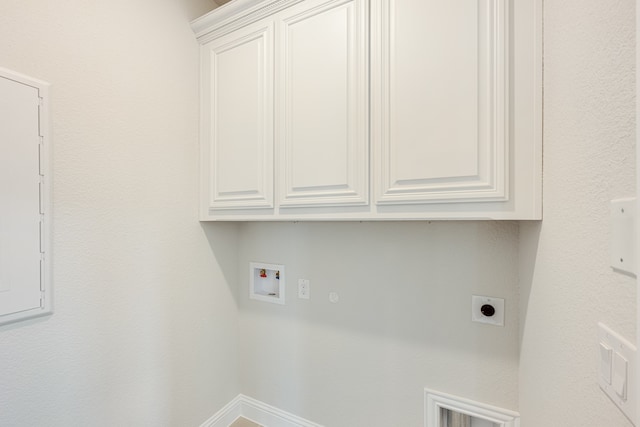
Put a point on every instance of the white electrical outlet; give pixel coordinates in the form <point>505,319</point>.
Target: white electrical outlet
<point>304,289</point>
<point>487,310</point>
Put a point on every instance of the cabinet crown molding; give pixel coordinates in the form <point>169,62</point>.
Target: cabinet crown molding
<point>234,15</point>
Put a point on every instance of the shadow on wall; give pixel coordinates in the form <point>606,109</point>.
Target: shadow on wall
<point>223,241</point>
<point>529,239</point>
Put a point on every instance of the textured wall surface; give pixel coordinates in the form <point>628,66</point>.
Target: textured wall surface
<point>402,323</point>
<point>145,328</point>
<point>144,325</point>
<point>567,284</point>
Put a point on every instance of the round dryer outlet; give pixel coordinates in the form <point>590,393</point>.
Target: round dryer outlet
<point>487,310</point>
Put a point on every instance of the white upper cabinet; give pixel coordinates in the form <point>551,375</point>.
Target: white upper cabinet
<point>237,90</point>
<point>371,110</point>
<point>442,90</point>
<point>322,131</point>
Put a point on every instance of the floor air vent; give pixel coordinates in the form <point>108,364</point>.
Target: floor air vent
<point>445,410</point>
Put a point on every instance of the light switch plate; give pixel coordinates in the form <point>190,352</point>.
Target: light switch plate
<point>620,375</point>
<point>606,357</point>
<point>621,387</point>
<point>623,242</point>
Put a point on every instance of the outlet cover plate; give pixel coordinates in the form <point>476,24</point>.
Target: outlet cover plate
<point>623,242</point>
<point>304,288</point>
<point>477,301</point>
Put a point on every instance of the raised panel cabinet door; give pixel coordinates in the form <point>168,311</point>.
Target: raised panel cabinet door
<point>237,133</point>
<point>322,128</point>
<point>441,101</point>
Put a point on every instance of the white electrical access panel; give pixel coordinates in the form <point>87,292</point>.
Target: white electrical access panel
<point>25,182</point>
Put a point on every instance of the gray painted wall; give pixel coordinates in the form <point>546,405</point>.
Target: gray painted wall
<point>402,322</point>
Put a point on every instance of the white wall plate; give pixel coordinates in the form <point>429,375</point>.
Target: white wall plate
<point>623,219</point>
<point>617,370</point>
<point>485,316</point>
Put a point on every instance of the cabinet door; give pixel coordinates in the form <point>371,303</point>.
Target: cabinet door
<point>441,117</point>
<point>237,133</point>
<point>323,105</point>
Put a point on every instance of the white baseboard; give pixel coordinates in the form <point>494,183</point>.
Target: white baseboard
<point>256,411</point>
<point>225,416</point>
